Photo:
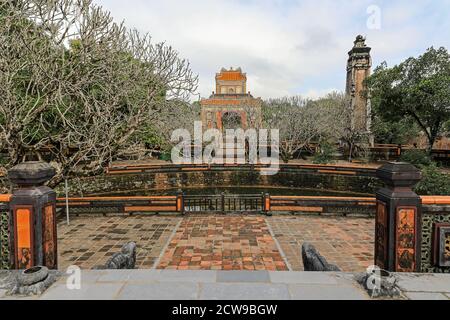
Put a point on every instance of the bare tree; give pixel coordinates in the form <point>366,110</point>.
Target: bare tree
<point>339,119</point>
<point>77,84</point>
<point>303,122</point>
<point>297,122</point>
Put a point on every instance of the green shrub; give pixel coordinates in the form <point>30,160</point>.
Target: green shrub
<point>165,156</point>
<point>325,154</point>
<point>416,157</point>
<point>434,182</point>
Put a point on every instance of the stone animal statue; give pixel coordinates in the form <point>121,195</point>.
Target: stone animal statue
<point>125,259</point>
<point>314,261</point>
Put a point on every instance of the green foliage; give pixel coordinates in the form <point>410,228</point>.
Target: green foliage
<point>325,154</point>
<point>434,182</point>
<point>447,128</point>
<point>165,156</point>
<point>151,136</point>
<point>390,132</point>
<point>417,157</point>
<point>418,89</point>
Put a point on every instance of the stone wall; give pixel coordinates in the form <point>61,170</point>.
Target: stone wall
<point>160,181</point>
<point>432,214</point>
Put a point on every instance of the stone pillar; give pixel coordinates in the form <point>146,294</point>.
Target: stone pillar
<point>359,66</point>
<point>398,219</point>
<point>33,239</point>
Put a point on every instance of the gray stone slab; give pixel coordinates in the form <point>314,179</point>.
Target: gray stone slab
<point>303,277</point>
<point>90,276</point>
<point>114,276</point>
<point>88,291</point>
<point>172,276</point>
<point>17,297</point>
<point>424,282</point>
<point>87,276</point>
<point>326,292</point>
<point>159,291</point>
<point>425,296</point>
<point>243,276</point>
<point>244,291</point>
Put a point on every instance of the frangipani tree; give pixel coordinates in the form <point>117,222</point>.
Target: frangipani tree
<point>76,83</point>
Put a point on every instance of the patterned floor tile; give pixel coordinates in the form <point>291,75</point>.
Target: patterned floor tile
<point>223,243</point>
<point>346,242</point>
<point>217,242</point>
<point>90,241</point>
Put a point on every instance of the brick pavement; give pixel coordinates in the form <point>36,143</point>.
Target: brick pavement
<point>219,242</point>
<point>344,241</point>
<point>223,243</point>
<point>90,241</point>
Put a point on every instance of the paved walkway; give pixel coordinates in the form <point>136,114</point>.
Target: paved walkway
<point>223,243</point>
<point>90,241</point>
<point>344,241</point>
<point>217,242</point>
<point>235,285</point>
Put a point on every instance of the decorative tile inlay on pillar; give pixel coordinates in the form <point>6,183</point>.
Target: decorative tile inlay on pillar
<point>405,239</point>
<point>398,220</point>
<point>381,236</point>
<point>33,238</point>
<point>4,237</point>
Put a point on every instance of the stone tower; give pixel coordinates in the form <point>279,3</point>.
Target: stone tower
<point>231,81</point>
<point>358,69</point>
<point>231,106</point>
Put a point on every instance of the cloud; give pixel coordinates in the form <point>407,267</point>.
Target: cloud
<point>283,45</point>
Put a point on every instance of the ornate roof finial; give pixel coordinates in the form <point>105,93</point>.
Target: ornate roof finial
<point>360,41</point>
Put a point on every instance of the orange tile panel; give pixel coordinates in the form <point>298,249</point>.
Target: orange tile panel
<point>23,228</point>
<point>120,198</point>
<point>322,198</point>
<point>366,203</point>
<point>63,204</point>
<point>444,200</point>
<point>296,208</point>
<point>5,197</point>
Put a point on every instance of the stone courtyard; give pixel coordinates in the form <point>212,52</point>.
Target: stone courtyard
<point>217,242</point>
<point>89,241</point>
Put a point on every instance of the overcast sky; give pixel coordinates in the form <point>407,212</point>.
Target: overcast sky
<point>286,47</point>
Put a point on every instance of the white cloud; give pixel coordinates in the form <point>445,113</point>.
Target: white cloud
<point>280,44</point>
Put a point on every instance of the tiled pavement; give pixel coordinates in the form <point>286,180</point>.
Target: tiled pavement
<point>90,241</point>
<point>223,243</point>
<point>216,242</point>
<point>344,241</point>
